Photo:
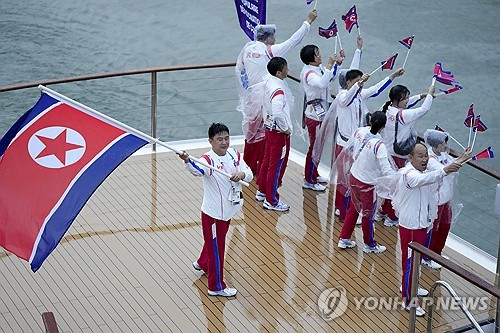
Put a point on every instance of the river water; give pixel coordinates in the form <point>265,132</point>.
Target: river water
<point>42,40</point>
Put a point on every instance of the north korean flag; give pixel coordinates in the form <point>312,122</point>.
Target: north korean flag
<point>408,41</point>
<point>51,161</point>
<point>487,153</point>
<point>350,19</point>
<point>389,63</point>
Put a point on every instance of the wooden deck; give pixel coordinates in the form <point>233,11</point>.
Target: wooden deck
<point>125,265</point>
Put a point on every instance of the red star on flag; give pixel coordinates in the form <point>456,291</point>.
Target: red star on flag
<point>57,146</point>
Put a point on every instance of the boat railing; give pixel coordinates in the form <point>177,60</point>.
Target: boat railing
<point>418,251</point>
<point>179,102</point>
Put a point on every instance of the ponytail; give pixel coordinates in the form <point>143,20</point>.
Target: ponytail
<point>386,106</point>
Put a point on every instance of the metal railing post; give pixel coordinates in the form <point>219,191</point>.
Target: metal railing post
<point>154,103</point>
<point>415,264</point>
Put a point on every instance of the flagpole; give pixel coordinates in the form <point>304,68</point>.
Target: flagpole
<point>466,161</point>
<point>433,81</point>
<point>315,3</point>
<point>340,43</point>
<point>474,140</point>
<point>456,141</point>
<point>336,39</point>
<point>470,134</point>
<point>407,53</point>
<point>130,129</point>
<point>379,67</point>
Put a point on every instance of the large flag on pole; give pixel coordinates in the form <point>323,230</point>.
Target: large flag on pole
<point>51,161</point>
<point>250,13</point>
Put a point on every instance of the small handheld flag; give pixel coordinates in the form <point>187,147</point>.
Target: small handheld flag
<point>351,19</point>
<point>329,32</point>
<point>437,128</point>
<point>408,41</point>
<point>442,76</point>
<point>451,90</point>
<point>479,126</point>
<point>389,63</point>
<point>469,120</point>
<point>487,153</point>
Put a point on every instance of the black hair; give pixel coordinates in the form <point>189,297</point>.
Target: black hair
<point>396,94</point>
<point>217,128</point>
<point>412,149</point>
<point>276,64</point>
<point>353,74</point>
<point>307,53</point>
<point>377,121</point>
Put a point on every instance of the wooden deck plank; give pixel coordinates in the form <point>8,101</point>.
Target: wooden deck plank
<point>125,264</point>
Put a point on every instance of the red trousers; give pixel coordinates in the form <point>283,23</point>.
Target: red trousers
<point>406,236</point>
<point>362,198</point>
<point>253,154</point>
<point>341,199</point>
<point>387,205</point>
<point>441,228</point>
<point>310,170</point>
<point>211,259</point>
<point>273,165</point>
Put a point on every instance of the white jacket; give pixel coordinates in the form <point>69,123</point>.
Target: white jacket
<point>251,65</point>
<point>416,199</point>
<point>370,157</point>
<point>217,187</point>
<point>278,103</point>
<point>315,81</point>
<point>352,109</point>
<point>407,121</point>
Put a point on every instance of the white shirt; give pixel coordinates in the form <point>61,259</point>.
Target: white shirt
<point>278,103</point>
<point>370,156</point>
<point>217,187</point>
<point>251,65</point>
<point>445,185</point>
<point>352,109</point>
<point>315,82</point>
<point>407,121</point>
<point>415,201</point>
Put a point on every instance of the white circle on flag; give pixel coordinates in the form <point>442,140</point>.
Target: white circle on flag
<point>71,151</point>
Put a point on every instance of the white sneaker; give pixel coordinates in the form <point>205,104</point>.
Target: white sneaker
<point>321,179</point>
<point>420,292</point>
<point>337,212</point>
<point>431,264</point>
<point>378,216</point>
<point>259,196</point>
<point>346,244</point>
<point>198,267</point>
<point>228,292</point>
<point>359,221</point>
<point>314,187</point>
<point>390,223</point>
<point>374,249</point>
<point>420,312</point>
<point>280,206</point>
